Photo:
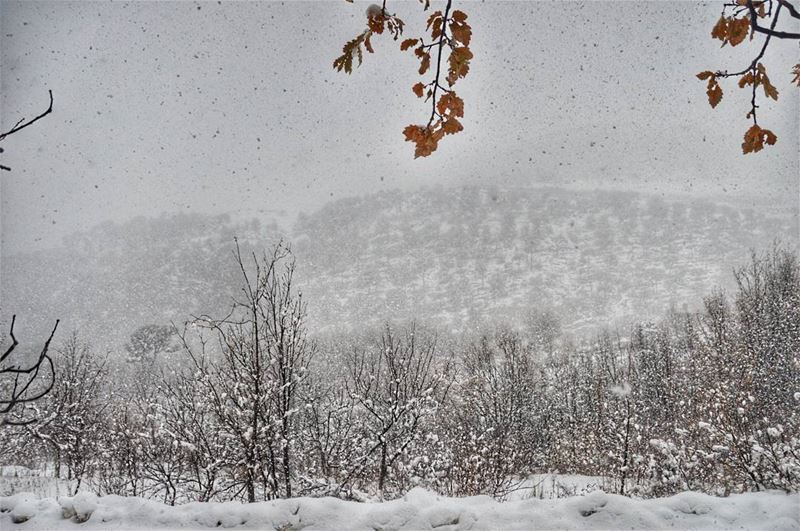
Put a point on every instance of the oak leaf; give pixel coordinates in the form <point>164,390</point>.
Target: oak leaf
<point>395,26</point>
<point>713,90</point>
<point>436,29</point>
<point>452,103</point>
<point>376,23</point>
<point>408,43</point>
<point>452,126</point>
<point>738,30</point>
<point>720,30</point>
<point>759,5</point>
<point>425,59</point>
<point>459,64</point>
<point>432,18</point>
<point>461,31</point>
<point>459,16</point>
<point>755,137</point>
<point>769,90</point>
<point>350,50</point>
<point>413,133</point>
<point>426,139</point>
<point>418,89</point>
<point>714,93</point>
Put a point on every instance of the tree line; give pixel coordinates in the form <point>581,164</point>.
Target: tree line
<point>249,405</point>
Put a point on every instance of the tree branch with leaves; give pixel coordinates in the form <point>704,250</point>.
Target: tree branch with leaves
<point>738,19</point>
<point>449,32</point>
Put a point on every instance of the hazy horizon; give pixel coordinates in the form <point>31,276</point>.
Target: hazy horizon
<point>287,221</point>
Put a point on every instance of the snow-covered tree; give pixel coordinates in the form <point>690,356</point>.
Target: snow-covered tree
<point>397,385</point>
<point>252,381</point>
<point>71,417</point>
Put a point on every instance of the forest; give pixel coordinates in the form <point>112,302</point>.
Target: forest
<point>252,404</point>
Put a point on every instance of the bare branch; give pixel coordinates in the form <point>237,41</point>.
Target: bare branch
<point>22,124</point>
<point>771,31</point>
<point>792,10</point>
<point>25,378</point>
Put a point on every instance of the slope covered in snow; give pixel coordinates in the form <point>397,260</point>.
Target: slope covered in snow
<point>418,510</point>
<point>448,257</point>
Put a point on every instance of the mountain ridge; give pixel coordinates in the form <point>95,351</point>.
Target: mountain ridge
<point>450,257</point>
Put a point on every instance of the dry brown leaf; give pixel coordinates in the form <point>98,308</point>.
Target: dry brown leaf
<point>738,30</point>
<point>714,93</point>
<point>432,18</point>
<point>452,126</point>
<point>461,32</point>
<point>459,64</point>
<point>425,59</point>
<point>452,103</point>
<point>755,137</point>
<point>408,43</point>
<point>720,30</point>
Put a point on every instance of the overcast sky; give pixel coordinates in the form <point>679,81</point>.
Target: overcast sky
<point>234,106</point>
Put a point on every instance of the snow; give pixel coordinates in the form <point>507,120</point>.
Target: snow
<point>548,486</point>
<point>621,390</point>
<point>418,510</point>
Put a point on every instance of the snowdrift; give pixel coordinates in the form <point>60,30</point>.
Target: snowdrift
<point>418,510</point>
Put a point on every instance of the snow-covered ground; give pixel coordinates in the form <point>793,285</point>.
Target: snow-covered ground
<point>418,510</point>
<point>548,486</point>
<point>39,481</point>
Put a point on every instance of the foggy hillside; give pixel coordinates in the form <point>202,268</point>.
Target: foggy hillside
<point>453,257</point>
<point>594,257</point>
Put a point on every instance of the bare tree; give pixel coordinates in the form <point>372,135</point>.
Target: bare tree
<point>22,380</point>
<point>329,424</point>
<point>264,355</point>
<point>71,416</point>
<point>198,438</point>
<point>397,384</point>
<point>497,433</point>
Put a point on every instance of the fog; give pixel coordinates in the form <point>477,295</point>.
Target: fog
<point>234,107</point>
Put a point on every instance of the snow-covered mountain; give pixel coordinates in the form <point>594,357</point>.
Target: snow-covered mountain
<point>453,257</point>
<point>460,256</point>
